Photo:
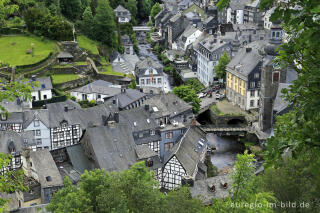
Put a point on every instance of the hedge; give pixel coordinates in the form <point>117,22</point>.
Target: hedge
<point>49,101</point>
<point>21,67</point>
<point>8,30</point>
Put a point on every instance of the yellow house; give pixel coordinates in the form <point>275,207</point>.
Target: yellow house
<point>243,75</point>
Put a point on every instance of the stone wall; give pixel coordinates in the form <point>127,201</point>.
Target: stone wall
<point>223,120</point>
<point>73,84</point>
<point>79,69</point>
<point>73,48</point>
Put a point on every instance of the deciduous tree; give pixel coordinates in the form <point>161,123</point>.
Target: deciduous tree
<point>220,69</point>
<point>189,95</point>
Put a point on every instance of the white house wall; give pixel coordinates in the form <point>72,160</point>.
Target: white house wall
<point>256,98</point>
<point>44,134</point>
<point>192,38</point>
<point>172,174</point>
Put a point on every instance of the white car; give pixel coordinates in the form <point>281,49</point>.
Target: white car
<point>218,96</point>
<point>201,95</point>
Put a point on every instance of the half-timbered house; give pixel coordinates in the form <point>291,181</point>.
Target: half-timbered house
<point>182,163</point>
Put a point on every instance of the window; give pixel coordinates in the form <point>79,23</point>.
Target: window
<point>169,135</point>
<point>159,80</point>
<point>44,97</point>
<point>256,75</point>
<point>252,84</point>
<point>39,142</point>
<point>251,103</point>
<point>142,81</point>
<point>153,81</point>
<point>275,77</point>
<point>3,116</point>
<point>152,132</point>
<point>34,98</point>
<point>38,132</point>
<point>258,84</point>
<point>258,103</point>
<point>148,81</point>
<point>277,34</point>
<point>36,123</point>
<point>140,134</point>
<point>99,96</point>
<point>168,146</point>
<point>252,93</point>
<point>84,97</point>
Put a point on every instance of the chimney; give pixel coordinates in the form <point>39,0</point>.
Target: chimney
<point>123,90</point>
<point>114,101</point>
<point>147,107</point>
<point>116,117</point>
<point>66,108</point>
<point>111,124</point>
<point>248,49</point>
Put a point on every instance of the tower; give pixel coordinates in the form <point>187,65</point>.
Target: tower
<point>235,45</point>
<point>271,75</point>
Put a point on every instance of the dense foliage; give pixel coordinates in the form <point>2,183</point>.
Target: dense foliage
<point>156,8</point>
<point>220,68</point>
<point>189,95</point>
<point>43,24</point>
<point>133,190</point>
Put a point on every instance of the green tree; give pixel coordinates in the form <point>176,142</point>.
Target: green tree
<point>133,190</point>
<point>131,5</point>
<point>105,25</point>
<point>188,94</point>
<point>220,68</point>
<point>10,181</point>
<point>72,9</point>
<point>156,8</point>
<point>195,84</point>
<point>244,196</point>
<point>87,23</point>
<point>145,9</point>
<point>6,8</point>
<point>180,201</point>
<point>133,84</point>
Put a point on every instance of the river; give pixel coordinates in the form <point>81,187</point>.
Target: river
<point>226,150</point>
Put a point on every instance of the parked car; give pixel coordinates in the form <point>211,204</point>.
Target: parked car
<point>201,95</point>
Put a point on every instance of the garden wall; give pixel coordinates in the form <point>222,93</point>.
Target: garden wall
<point>74,83</point>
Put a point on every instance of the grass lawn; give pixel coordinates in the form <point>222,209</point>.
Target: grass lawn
<point>61,78</point>
<point>88,44</point>
<point>13,49</point>
<point>108,70</point>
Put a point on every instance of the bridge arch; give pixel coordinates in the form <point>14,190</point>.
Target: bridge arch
<point>236,121</point>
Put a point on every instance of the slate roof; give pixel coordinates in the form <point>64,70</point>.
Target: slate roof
<point>244,62</point>
<point>84,117</point>
<point>12,106</point>
<point>167,105</point>
<point>45,167</point>
<point>44,84</point>
<point>79,160</point>
<point>188,150</point>
<point>144,152</point>
<point>121,9</point>
<point>14,117</point>
<point>128,97</point>
<point>138,119</point>
<point>209,44</point>
<point>147,63</point>
<point>6,137</point>
<point>238,4</point>
<point>99,87</point>
<point>64,55</point>
<point>115,55</point>
<point>280,103</point>
<point>40,114</point>
<point>113,147</point>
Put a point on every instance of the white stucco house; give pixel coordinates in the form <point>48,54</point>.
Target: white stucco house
<point>123,15</point>
<point>43,91</point>
<point>149,73</point>
<point>98,91</point>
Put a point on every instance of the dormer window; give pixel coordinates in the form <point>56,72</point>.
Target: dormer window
<point>152,132</point>
<point>36,123</point>
<point>4,116</point>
